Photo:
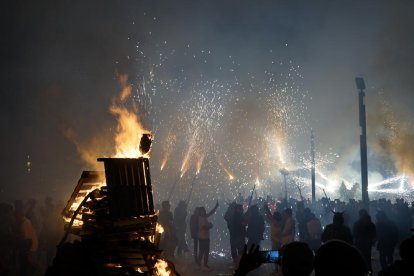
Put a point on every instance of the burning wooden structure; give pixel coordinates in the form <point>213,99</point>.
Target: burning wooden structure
<point>112,215</point>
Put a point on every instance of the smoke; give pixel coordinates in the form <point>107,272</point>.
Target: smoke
<point>392,136</point>
<point>88,151</point>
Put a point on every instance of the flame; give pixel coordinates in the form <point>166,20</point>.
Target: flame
<point>78,220</point>
<point>159,229</point>
<point>257,181</point>
<point>129,129</point>
<point>161,268</point>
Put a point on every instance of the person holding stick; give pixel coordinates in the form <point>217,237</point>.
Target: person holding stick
<point>203,236</point>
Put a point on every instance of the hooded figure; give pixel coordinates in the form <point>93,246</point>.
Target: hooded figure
<point>180,216</point>
<point>364,236</point>
<point>337,230</point>
<point>255,226</point>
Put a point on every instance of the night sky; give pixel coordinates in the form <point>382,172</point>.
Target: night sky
<point>230,71</point>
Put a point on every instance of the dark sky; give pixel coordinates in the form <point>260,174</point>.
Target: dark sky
<point>59,61</point>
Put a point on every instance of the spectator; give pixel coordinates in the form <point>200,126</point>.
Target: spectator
<point>337,230</point>
<point>180,216</point>
<point>406,265</point>
<point>204,227</point>
<point>8,239</point>
<point>194,231</point>
<point>339,258</point>
<point>365,236</point>
<point>49,234</point>
<point>297,259</point>
<point>237,231</point>
<point>255,226</point>
<point>275,227</point>
<point>387,235</point>
<point>169,239</point>
<point>314,230</point>
<point>288,229</point>
<point>28,241</point>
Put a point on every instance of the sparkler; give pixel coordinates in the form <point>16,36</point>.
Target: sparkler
<point>204,101</point>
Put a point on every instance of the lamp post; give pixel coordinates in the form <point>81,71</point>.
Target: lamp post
<point>360,84</point>
<point>313,166</point>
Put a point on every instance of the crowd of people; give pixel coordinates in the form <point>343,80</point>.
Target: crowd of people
<point>29,232</point>
<point>291,221</point>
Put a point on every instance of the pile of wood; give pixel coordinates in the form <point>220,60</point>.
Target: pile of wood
<point>111,216</point>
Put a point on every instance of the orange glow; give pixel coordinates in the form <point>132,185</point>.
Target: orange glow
<point>159,229</point>
<point>161,268</point>
<point>164,162</point>
<point>78,220</point>
<point>129,129</point>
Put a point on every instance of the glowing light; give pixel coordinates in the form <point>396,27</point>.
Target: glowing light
<point>199,163</point>
<point>129,129</point>
<point>387,181</point>
<point>161,268</point>
<point>229,174</point>
<point>159,229</point>
<point>184,166</point>
<point>168,148</point>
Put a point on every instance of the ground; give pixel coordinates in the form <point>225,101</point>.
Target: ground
<point>222,266</point>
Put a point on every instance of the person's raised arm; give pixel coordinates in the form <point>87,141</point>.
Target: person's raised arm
<point>249,261</point>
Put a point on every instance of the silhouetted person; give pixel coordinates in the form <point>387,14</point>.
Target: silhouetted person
<point>338,258</point>
<point>406,265</point>
<point>237,230</point>
<point>28,241</point>
<point>402,218</point>
<point>337,230</point>
<point>364,236</point>
<point>8,240</point>
<point>204,227</point>
<point>194,231</point>
<point>387,235</point>
<point>314,230</point>
<point>297,259</point>
<point>169,239</point>
<point>250,260</point>
<point>302,217</point>
<point>288,229</point>
<point>275,221</point>
<point>255,226</point>
<point>180,216</point>
<point>32,215</point>
<point>49,235</point>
